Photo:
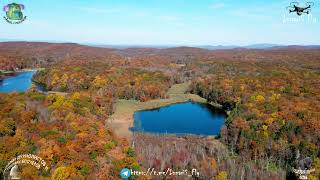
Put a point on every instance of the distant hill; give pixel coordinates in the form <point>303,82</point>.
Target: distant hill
<point>297,47</point>
<point>43,54</point>
<point>130,46</point>
<point>261,46</point>
<point>218,47</point>
<point>208,47</point>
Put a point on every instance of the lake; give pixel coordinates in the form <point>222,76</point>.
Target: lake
<point>20,82</point>
<point>180,119</point>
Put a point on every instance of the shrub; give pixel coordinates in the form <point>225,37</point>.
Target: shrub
<point>37,96</point>
<point>93,155</point>
<point>62,140</point>
<point>130,152</point>
<point>84,170</point>
<point>45,134</point>
<point>110,145</point>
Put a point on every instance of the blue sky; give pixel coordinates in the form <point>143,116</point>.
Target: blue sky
<point>162,22</point>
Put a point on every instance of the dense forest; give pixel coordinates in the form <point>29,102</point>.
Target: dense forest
<point>272,97</point>
<point>274,109</point>
<point>125,83</point>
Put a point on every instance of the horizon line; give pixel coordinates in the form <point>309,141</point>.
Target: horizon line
<point>154,45</point>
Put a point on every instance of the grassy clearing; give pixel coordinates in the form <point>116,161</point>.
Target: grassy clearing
<point>176,94</point>
<point>122,119</point>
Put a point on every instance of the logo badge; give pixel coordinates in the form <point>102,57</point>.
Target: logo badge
<point>299,10</point>
<point>125,173</point>
<point>14,13</point>
<point>13,169</point>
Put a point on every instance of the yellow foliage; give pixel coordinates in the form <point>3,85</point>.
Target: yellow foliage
<point>51,97</point>
<point>99,82</point>
<point>274,115</point>
<point>60,102</point>
<point>264,127</point>
<point>275,97</point>
<point>223,175</point>
<point>75,126</point>
<point>259,99</point>
<point>265,134</point>
<point>70,117</point>
<point>312,177</point>
<point>66,173</point>
<point>61,173</point>
<point>316,166</point>
<point>64,79</point>
<point>269,121</point>
<point>76,95</point>
<point>85,110</point>
<point>55,79</point>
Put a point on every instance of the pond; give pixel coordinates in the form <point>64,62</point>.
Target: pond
<point>180,119</point>
<point>20,82</point>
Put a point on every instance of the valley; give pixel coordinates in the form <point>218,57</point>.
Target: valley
<point>271,97</point>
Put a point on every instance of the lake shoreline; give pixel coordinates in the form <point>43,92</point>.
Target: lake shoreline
<point>180,119</point>
<point>8,74</point>
<point>9,78</point>
<point>122,119</point>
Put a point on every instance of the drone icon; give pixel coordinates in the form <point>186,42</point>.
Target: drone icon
<point>294,7</point>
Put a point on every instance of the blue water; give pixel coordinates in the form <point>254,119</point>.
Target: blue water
<point>18,83</point>
<point>183,118</point>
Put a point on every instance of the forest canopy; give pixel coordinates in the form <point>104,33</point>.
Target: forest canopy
<point>272,98</point>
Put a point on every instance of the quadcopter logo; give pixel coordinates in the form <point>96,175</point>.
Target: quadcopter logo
<point>14,13</point>
<point>303,13</point>
<point>295,8</point>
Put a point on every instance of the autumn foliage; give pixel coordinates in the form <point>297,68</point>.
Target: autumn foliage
<point>272,98</point>
<point>68,132</point>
